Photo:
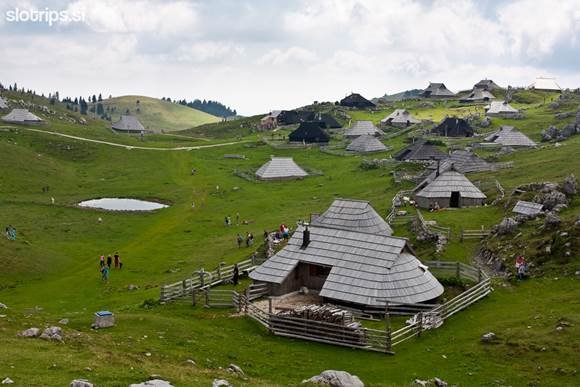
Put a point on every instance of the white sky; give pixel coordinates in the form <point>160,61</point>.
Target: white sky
<point>260,55</point>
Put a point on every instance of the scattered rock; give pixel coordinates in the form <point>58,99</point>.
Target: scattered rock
<point>506,226</point>
<point>335,379</point>
<point>221,383</point>
<point>191,362</point>
<point>80,383</point>
<point>153,383</point>
<point>52,333</point>
<point>551,199</point>
<point>431,382</point>
<point>63,321</point>
<point>30,332</point>
<point>132,287</point>
<point>551,220</point>
<point>3,306</point>
<point>7,381</point>
<point>235,369</point>
<point>570,185</point>
<point>488,337</point>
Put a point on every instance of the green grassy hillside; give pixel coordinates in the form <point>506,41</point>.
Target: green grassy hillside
<point>158,115</point>
<point>51,271</point>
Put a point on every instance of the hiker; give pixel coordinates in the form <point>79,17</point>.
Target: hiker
<point>240,240</point>
<point>109,261</point>
<point>52,200</point>
<point>105,273</point>
<point>285,233</point>
<point>7,232</point>
<point>120,263</point>
<point>117,260</point>
<point>265,235</point>
<point>236,276</point>
<point>436,206</point>
<point>249,240</point>
<point>521,267</point>
<point>237,218</point>
<point>102,261</point>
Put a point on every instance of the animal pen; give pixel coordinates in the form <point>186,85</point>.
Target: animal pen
<point>340,325</point>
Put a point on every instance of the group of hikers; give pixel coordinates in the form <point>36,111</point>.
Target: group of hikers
<point>249,239</point>
<point>105,265</point>
<point>10,232</point>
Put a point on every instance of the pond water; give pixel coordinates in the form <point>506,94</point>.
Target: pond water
<point>118,204</point>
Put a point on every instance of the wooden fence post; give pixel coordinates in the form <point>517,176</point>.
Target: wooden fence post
<point>207,298</point>
<point>419,323</point>
<point>479,276</point>
<point>202,278</point>
<point>247,299</point>
<point>389,342</point>
<point>183,287</point>
<point>270,305</point>
<point>461,236</point>
<point>458,270</point>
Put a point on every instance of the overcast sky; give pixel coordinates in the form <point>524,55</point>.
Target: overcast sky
<point>259,55</point>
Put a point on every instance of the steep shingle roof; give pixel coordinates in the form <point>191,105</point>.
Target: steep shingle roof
<point>354,215</point>
<point>357,101</point>
<point>437,90</point>
<point>360,128</point>
<point>400,116</point>
<point>527,208</point>
<point>364,268</point>
<point>128,123</point>
<point>479,95</point>
<point>499,108</point>
<point>21,116</point>
<point>420,150</point>
<point>510,136</point>
<point>543,83</point>
<point>448,182</point>
<point>486,84</point>
<point>280,168</point>
<point>366,144</point>
<point>453,127</point>
<point>309,132</point>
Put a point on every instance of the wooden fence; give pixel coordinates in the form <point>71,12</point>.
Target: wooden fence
<point>202,279</point>
<point>435,229</point>
<point>474,234</point>
<point>425,317</point>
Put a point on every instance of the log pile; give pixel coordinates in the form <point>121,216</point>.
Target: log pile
<point>326,313</point>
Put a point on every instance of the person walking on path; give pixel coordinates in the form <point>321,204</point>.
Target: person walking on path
<point>236,276</point>
<point>109,261</point>
<point>105,273</point>
<point>102,261</point>
<point>521,267</point>
<point>240,240</point>
<point>117,260</point>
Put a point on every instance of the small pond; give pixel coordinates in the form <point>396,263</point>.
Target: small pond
<point>118,204</point>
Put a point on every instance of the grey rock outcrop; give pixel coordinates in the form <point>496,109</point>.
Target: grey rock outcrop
<point>52,333</point>
<point>488,337</point>
<point>506,226</point>
<point>153,383</point>
<point>80,383</point>
<point>335,379</point>
<point>235,369</point>
<point>221,383</point>
<point>30,332</point>
<point>551,220</point>
<point>551,199</point>
<point>570,185</point>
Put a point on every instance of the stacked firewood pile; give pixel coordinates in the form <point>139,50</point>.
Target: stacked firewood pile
<point>326,313</point>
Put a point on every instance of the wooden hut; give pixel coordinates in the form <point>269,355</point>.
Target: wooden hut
<point>400,117</point>
<point>453,127</point>
<point>349,267</point>
<point>450,189</point>
<point>437,90</point>
<point>128,124</point>
<point>309,132</point>
<point>280,168</point>
<point>356,101</point>
<point>366,144</point>
<point>420,150</point>
<point>22,116</point>
<point>487,84</point>
<point>510,136</point>
<point>501,109</point>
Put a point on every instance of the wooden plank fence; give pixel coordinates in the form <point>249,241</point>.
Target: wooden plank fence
<point>202,279</point>
<point>435,229</point>
<point>474,234</point>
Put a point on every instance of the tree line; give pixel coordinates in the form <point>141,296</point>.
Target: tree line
<point>214,108</point>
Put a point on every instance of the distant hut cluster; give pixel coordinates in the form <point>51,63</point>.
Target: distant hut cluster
<point>280,168</point>
<point>128,124</point>
<point>348,256</point>
<point>22,116</point>
<point>400,117</point>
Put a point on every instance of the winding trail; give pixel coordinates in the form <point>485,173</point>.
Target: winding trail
<point>129,147</point>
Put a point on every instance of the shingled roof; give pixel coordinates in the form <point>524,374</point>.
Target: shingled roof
<point>309,132</point>
<point>280,168</point>
<point>527,208</point>
<point>3,104</point>
<point>486,84</point>
<point>21,116</point>
<point>448,182</point>
<point>543,83</point>
<point>360,128</point>
<point>479,95</point>
<point>400,117</point>
<point>420,150</point>
<point>453,127</point>
<point>510,136</point>
<point>328,120</point>
<point>366,144</point>
<point>501,109</point>
<point>128,123</point>
<point>437,90</point>
<point>354,215</point>
<point>365,268</point>
<point>356,101</point>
